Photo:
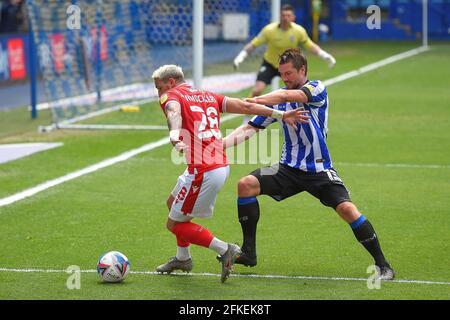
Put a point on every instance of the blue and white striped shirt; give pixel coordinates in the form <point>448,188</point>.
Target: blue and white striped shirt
<point>304,148</point>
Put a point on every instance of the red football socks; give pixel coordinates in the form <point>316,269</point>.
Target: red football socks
<point>188,232</point>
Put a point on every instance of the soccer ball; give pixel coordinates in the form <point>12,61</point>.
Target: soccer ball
<point>113,266</point>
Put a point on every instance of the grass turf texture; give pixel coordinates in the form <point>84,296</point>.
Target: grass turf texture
<point>396,114</point>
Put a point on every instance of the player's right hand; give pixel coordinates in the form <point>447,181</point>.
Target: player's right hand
<point>239,59</point>
<point>236,63</point>
<point>181,147</point>
<point>293,117</point>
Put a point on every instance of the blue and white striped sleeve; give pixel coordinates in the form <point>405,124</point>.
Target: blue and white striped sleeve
<point>261,122</point>
<point>316,93</point>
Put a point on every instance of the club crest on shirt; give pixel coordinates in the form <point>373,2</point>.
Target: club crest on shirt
<point>163,98</point>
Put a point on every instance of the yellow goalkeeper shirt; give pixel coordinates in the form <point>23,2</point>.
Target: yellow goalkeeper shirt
<point>279,40</point>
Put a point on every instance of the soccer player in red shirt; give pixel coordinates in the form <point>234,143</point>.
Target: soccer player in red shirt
<point>194,123</point>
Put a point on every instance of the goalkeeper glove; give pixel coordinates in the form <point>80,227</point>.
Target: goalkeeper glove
<point>239,59</point>
<point>328,58</point>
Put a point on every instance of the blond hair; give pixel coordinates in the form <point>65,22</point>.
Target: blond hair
<point>168,71</point>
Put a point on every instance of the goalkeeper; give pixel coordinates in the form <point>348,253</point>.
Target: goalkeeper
<point>279,37</point>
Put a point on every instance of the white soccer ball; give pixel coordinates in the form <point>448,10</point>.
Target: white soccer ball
<point>113,266</point>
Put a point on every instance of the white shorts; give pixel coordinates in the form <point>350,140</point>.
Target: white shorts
<point>195,194</point>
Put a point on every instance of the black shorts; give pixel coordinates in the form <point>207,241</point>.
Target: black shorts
<point>267,72</point>
<point>281,181</point>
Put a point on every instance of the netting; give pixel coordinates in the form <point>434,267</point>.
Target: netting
<point>96,53</point>
<point>87,64</point>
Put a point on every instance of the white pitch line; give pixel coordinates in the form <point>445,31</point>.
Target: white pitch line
<point>125,156</point>
<point>394,165</point>
<point>375,65</point>
<point>111,127</point>
<point>235,275</point>
<point>103,164</point>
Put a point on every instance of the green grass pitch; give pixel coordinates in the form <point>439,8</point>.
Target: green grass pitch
<point>398,114</point>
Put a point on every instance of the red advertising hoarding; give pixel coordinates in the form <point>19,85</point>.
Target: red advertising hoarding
<point>57,43</point>
<point>16,59</point>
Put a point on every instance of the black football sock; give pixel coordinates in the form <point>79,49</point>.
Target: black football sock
<point>366,235</point>
<point>248,213</point>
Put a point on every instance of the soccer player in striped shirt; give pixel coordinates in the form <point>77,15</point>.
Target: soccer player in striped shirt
<point>305,163</point>
<point>193,118</point>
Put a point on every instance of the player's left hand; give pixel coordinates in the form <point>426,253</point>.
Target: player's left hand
<point>328,58</point>
<point>331,61</point>
<point>293,117</point>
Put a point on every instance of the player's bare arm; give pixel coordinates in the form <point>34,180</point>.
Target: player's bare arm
<point>239,135</point>
<point>174,122</point>
<point>291,117</point>
<point>280,96</point>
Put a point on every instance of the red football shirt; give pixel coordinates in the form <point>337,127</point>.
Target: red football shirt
<point>200,111</point>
